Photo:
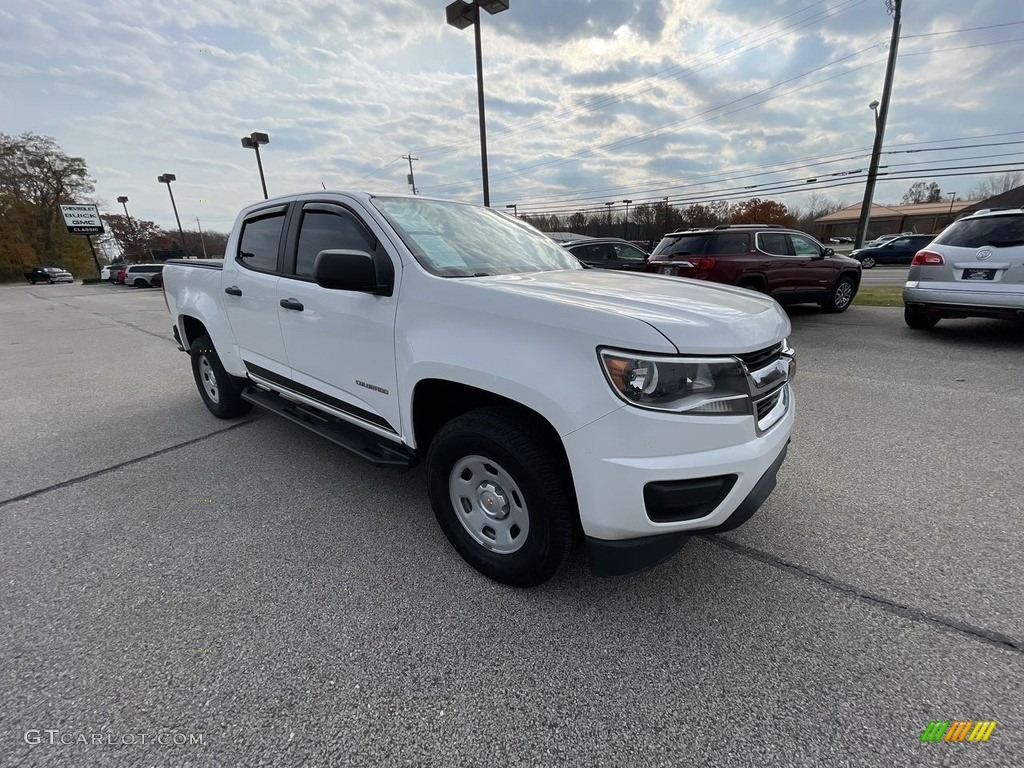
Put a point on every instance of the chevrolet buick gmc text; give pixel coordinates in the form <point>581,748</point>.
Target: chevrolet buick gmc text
<point>545,398</point>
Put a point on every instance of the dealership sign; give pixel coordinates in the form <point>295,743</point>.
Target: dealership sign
<point>82,219</point>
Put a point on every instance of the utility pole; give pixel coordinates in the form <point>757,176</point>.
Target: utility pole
<point>412,177</point>
<point>201,238</point>
<point>895,7</point>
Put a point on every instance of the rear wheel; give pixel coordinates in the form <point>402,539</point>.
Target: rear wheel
<point>841,296</point>
<point>139,283</point>
<point>919,319</point>
<point>501,501</point>
<point>751,285</point>
<point>221,391</point>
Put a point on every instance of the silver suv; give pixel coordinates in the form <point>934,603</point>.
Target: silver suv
<point>975,268</point>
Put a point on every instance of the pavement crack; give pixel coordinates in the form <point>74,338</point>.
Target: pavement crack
<point>913,614</point>
<point>128,463</point>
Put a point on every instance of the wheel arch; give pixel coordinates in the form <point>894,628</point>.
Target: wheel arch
<point>435,402</point>
<point>192,328</point>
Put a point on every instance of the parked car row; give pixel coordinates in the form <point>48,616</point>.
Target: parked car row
<point>789,266</point>
<point>136,275</point>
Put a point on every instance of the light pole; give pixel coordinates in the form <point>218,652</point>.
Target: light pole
<point>460,15</point>
<point>515,210</point>
<point>167,178</point>
<point>625,221</point>
<point>609,207</point>
<point>952,199</point>
<point>253,141</point>
<point>123,200</point>
<point>895,7</point>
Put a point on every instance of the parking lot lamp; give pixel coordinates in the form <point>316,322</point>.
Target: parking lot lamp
<point>167,178</point>
<point>460,15</point>
<point>625,221</point>
<point>515,209</point>
<point>253,141</point>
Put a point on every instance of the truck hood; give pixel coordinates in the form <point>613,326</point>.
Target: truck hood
<point>696,316</point>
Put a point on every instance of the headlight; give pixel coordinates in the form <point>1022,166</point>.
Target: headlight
<point>682,384</point>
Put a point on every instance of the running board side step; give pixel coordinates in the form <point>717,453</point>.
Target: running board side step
<point>362,443</point>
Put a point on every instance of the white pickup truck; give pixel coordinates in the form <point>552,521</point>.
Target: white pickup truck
<point>546,399</point>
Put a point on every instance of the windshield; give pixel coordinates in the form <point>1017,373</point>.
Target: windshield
<point>459,240</point>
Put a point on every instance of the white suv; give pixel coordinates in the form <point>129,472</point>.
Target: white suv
<point>975,268</point>
<point>143,275</point>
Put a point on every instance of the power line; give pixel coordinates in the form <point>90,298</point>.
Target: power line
<point>965,29</point>
<point>611,98</point>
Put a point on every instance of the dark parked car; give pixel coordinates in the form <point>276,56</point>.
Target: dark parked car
<point>899,250</point>
<point>49,275</point>
<point>791,266</point>
<point>609,253</point>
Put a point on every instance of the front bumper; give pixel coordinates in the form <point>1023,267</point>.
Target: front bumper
<point>615,458</point>
<point>624,557</point>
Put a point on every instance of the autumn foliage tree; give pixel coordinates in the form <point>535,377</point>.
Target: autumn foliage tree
<point>36,177</point>
<point>758,211</point>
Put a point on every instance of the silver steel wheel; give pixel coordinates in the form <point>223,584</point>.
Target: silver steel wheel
<point>868,262</point>
<point>209,379</point>
<point>489,504</point>
<point>844,294</point>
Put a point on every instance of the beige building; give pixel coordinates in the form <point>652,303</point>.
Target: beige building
<point>920,219</point>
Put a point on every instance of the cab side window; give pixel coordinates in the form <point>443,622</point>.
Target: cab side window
<point>260,241</point>
<point>329,230</point>
<point>803,246</point>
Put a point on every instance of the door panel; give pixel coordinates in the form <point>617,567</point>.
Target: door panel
<point>812,273</point>
<point>341,343</point>
<point>251,302</point>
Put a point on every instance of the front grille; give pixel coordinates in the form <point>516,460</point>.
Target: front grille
<point>761,358</point>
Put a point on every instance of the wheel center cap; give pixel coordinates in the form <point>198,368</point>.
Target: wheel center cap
<point>492,500</point>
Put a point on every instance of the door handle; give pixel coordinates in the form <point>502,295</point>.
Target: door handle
<point>233,290</point>
<point>292,304</point>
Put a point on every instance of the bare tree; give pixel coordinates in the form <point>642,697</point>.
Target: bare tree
<point>995,185</point>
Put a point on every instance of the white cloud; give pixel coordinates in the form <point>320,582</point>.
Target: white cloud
<point>599,99</point>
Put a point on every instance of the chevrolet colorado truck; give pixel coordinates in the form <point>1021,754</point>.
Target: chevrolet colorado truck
<point>548,401</point>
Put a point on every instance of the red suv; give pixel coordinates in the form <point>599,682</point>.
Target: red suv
<point>791,266</point>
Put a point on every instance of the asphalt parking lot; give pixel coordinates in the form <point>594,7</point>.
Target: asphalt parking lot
<point>166,574</point>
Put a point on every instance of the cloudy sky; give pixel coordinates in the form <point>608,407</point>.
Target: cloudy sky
<point>588,101</point>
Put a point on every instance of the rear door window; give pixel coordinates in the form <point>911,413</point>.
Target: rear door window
<point>261,240</point>
<point>994,231</point>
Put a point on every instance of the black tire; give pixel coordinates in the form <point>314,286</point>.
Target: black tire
<point>841,296</point>
<point>751,285</point>
<point>222,393</point>
<point>868,262</point>
<point>919,319</point>
<point>517,464</point>
<point>140,283</point>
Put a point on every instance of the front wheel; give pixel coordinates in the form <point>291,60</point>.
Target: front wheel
<point>868,262</point>
<point>501,499</point>
<point>841,296</point>
<point>220,391</point>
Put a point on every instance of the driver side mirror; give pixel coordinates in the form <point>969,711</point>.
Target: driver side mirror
<point>345,270</point>
<point>828,252</point>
